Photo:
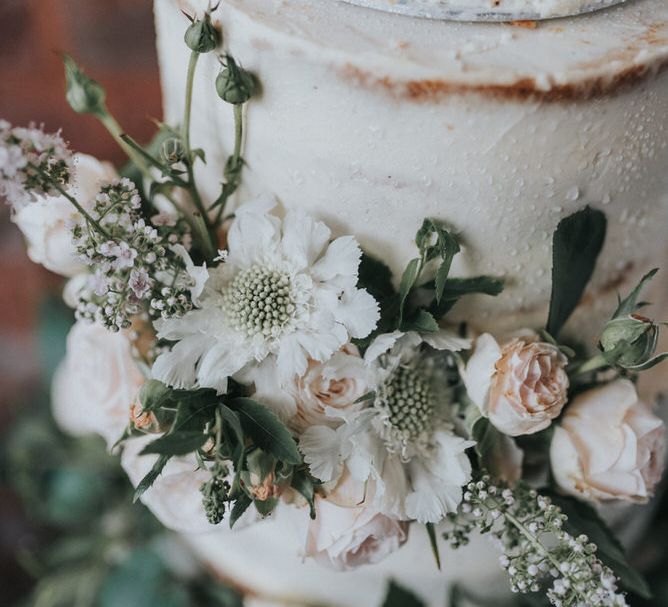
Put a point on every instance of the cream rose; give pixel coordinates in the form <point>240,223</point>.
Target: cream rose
<point>315,398</point>
<point>609,446</point>
<point>96,383</point>
<point>344,537</point>
<point>520,386</point>
<point>45,223</point>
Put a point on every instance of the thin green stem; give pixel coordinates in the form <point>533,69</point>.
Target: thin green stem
<point>115,130</point>
<point>185,137</point>
<point>236,156</point>
<point>593,364</point>
<point>73,200</point>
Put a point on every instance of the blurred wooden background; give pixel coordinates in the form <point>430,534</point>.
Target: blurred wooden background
<point>114,41</point>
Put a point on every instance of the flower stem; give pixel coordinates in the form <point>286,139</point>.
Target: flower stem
<point>593,364</point>
<point>72,200</point>
<point>185,137</point>
<point>115,130</point>
<point>235,159</point>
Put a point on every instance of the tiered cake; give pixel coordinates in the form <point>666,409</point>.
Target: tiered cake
<point>372,120</point>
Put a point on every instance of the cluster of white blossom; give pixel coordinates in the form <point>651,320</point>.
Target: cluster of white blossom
<point>132,263</point>
<point>33,163</point>
<point>530,528</point>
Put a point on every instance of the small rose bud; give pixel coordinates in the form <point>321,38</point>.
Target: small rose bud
<point>629,340</point>
<point>260,479</point>
<point>201,36</point>
<point>172,150</point>
<point>234,84</point>
<point>85,95</point>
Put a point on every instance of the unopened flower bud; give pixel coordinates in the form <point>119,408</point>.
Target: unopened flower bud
<point>85,95</point>
<point>172,150</point>
<point>234,84</point>
<point>201,36</point>
<point>629,340</point>
<point>260,479</point>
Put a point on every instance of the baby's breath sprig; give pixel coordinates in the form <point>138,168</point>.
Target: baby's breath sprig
<point>535,545</point>
<point>132,261</point>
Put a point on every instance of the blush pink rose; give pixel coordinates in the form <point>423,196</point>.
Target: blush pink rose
<point>609,446</point>
<point>348,533</point>
<point>520,386</point>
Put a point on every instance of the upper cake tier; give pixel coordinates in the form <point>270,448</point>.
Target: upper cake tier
<point>372,121</point>
<point>487,10</point>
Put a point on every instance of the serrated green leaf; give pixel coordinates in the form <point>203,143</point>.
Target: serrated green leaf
<point>266,429</point>
<point>375,277</point>
<point>151,477</point>
<point>576,245</point>
<point>422,322</point>
<point>397,596</point>
<point>179,443</point>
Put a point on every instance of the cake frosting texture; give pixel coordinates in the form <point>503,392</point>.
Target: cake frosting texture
<point>372,121</point>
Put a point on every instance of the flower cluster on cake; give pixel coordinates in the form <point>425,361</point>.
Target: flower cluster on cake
<point>249,358</point>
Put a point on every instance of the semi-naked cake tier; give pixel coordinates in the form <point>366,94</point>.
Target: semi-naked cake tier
<point>371,121</point>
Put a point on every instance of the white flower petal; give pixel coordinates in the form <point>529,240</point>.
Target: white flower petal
<point>480,369</point>
<point>304,239</point>
<point>447,340</point>
<point>177,368</point>
<point>381,344</point>
<point>324,451</point>
<point>341,259</point>
<point>253,233</point>
<point>359,312</point>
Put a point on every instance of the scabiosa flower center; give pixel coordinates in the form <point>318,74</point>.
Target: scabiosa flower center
<point>409,403</point>
<point>260,301</point>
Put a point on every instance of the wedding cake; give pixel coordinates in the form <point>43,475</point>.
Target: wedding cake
<point>371,120</point>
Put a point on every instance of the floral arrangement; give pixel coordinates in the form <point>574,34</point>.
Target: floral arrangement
<point>249,361</point>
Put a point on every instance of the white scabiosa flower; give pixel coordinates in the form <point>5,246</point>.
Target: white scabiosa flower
<point>403,441</point>
<point>284,295</point>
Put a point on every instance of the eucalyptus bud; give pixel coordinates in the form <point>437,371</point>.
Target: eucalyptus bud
<point>629,341</point>
<point>172,150</point>
<point>216,494</point>
<point>201,36</point>
<point>234,84</point>
<point>85,95</point>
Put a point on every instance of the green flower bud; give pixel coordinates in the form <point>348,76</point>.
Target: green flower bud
<point>629,340</point>
<point>235,85</point>
<point>260,478</point>
<point>85,95</point>
<point>201,36</point>
<point>172,150</point>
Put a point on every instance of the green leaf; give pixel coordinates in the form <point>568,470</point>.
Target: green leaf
<point>240,506</point>
<point>456,288</point>
<point>630,304</point>
<point>179,443</point>
<point>433,542</point>
<point>151,477</point>
<point>397,596</point>
<point>303,484</point>
<point>576,245</point>
<point>154,395</point>
<point>493,448</point>
<point>268,432</point>
<point>375,277</point>
<point>582,518</point>
<point>408,281</point>
<point>422,322</point>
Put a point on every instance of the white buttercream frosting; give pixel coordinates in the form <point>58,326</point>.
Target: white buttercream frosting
<point>372,121</point>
